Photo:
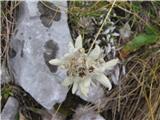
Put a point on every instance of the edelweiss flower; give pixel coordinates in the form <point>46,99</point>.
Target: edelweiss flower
<point>84,69</point>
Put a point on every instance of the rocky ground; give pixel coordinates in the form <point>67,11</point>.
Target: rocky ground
<point>34,32</point>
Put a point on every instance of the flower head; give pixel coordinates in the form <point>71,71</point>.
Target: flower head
<point>84,69</point>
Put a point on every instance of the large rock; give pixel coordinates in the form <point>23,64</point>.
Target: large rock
<point>42,34</point>
<point>10,109</point>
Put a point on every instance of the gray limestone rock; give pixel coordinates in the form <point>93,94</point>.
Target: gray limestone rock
<point>42,34</point>
<point>10,109</point>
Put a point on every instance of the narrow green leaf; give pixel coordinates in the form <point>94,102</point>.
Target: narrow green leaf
<point>150,36</point>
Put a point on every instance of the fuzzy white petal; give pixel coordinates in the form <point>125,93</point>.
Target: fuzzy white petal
<point>78,42</point>
<point>67,56</point>
<point>103,80</point>
<point>106,31</point>
<point>68,81</point>
<point>84,85</point>
<point>95,53</point>
<point>56,62</point>
<point>115,34</point>
<point>108,65</point>
<point>87,82</point>
<point>84,89</point>
<point>71,47</point>
<point>108,37</point>
<point>112,28</point>
<point>75,87</point>
<point>125,31</point>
